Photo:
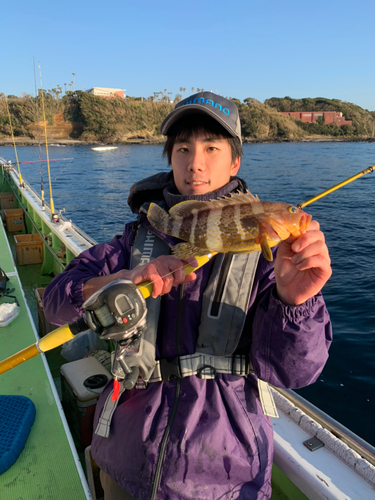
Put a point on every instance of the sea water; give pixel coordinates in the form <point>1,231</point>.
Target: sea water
<point>93,188</point>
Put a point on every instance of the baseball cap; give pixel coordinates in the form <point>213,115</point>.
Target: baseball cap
<point>219,108</point>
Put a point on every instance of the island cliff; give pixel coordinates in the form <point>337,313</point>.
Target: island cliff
<point>80,117</point>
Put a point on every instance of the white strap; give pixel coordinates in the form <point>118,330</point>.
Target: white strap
<point>109,408</point>
<point>266,399</point>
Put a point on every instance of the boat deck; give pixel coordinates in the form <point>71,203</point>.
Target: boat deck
<point>48,466</point>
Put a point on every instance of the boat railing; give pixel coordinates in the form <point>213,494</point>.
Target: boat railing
<point>352,440</point>
<point>62,218</point>
<point>73,237</point>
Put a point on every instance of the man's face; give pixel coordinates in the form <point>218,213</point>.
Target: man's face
<point>202,164</point>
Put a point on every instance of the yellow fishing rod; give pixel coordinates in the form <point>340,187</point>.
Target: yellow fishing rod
<point>54,217</point>
<point>337,186</point>
<point>14,143</point>
<point>114,300</point>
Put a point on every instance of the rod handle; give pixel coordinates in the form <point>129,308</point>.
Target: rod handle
<point>146,287</point>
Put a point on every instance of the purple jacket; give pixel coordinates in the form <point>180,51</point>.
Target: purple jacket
<point>194,438</point>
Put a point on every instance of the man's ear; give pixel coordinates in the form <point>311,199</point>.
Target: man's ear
<point>235,166</point>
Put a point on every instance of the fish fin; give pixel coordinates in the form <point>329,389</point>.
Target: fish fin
<point>158,217</point>
<point>254,199</point>
<point>266,249</point>
<point>188,250</point>
<point>237,198</point>
<point>186,208</point>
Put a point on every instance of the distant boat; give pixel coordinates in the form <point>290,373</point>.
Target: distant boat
<point>104,148</point>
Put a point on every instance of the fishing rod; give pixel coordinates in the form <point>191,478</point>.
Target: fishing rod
<point>14,143</point>
<point>115,311</point>
<point>337,186</point>
<point>54,216</point>
<point>39,145</point>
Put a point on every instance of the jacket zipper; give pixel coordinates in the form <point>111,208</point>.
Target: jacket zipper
<point>164,441</point>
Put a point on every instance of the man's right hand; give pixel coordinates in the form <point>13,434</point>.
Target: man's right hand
<point>164,272</point>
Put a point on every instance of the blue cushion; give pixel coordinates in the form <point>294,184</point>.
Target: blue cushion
<point>17,414</point>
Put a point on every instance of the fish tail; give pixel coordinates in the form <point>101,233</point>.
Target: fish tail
<point>159,218</point>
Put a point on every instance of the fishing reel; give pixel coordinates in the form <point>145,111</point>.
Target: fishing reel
<point>117,311</point>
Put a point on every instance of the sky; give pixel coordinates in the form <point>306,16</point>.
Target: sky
<point>249,48</point>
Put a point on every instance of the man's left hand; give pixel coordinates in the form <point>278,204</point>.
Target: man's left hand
<point>302,266</point>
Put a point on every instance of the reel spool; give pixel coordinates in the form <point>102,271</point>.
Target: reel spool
<point>117,311</point>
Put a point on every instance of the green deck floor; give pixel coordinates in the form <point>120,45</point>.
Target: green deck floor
<point>46,468</point>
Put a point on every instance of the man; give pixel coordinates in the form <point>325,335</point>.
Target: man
<point>202,434</point>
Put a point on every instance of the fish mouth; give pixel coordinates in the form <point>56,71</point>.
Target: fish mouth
<point>304,222</point>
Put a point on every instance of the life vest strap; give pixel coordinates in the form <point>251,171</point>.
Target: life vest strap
<point>206,367</point>
<point>202,365</point>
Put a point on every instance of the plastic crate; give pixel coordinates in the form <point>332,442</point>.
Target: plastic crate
<point>14,219</point>
<point>6,200</point>
<point>29,249</point>
<point>44,325</point>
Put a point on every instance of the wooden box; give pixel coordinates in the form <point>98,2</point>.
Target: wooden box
<point>14,219</point>
<point>6,200</point>
<point>29,249</point>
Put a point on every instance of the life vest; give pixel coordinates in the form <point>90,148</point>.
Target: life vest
<point>224,308</point>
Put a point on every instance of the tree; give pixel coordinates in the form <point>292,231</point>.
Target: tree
<point>192,90</point>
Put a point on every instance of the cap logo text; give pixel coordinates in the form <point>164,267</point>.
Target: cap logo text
<point>202,100</point>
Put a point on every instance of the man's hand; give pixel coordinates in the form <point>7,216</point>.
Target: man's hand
<point>164,272</point>
<point>302,266</point>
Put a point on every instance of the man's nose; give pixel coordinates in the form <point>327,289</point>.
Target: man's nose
<point>196,161</point>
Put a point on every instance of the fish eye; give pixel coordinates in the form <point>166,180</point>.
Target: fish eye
<point>292,210</point>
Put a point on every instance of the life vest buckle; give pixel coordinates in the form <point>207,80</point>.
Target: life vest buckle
<point>202,373</point>
<point>170,369</point>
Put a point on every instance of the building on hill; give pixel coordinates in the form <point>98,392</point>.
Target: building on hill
<point>103,92</point>
<point>330,117</point>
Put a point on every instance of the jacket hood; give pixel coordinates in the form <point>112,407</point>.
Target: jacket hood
<point>149,189</point>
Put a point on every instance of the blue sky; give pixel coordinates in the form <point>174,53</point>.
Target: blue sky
<point>249,48</point>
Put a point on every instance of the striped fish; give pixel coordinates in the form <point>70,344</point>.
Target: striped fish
<point>238,223</point>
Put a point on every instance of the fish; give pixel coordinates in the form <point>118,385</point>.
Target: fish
<point>238,223</point>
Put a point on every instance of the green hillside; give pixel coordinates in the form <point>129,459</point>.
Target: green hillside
<point>89,118</point>
<point>363,120</point>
